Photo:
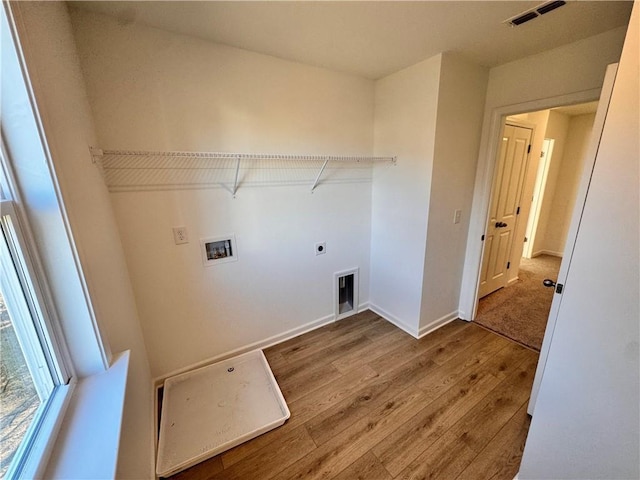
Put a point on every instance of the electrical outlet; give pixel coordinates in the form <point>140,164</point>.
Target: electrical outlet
<point>180,235</point>
<point>456,216</point>
<point>321,248</point>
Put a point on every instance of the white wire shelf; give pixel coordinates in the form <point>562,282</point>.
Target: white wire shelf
<point>144,170</point>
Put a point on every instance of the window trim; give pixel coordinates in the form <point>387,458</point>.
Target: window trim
<point>24,306</point>
<point>31,457</point>
<point>24,136</point>
<point>36,280</point>
<point>94,396</point>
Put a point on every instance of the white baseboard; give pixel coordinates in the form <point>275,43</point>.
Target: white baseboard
<point>261,344</point>
<point>392,319</point>
<point>546,252</point>
<point>308,327</point>
<point>436,324</point>
<point>363,306</point>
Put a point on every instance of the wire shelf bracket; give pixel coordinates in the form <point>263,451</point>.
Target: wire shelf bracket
<point>317,180</point>
<point>235,181</point>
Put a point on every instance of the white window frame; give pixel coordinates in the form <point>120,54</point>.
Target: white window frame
<point>37,328</point>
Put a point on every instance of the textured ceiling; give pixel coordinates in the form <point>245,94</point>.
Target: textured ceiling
<point>374,38</point>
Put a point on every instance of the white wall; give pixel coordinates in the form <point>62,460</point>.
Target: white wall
<point>461,97</point>
<point>570,68</point>
<point>429,115</point>
<point>405,124</point>
<point>51,58</point>
<point>153,90</point>
<point>586,422</point>
<point>567,180</point>
<point>533,83</point>
<point>557,128</point>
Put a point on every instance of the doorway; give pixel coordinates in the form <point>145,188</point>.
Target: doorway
<point>518,307</point>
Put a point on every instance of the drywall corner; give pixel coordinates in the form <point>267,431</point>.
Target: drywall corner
<point>461,98</point>
<point>404,125</point>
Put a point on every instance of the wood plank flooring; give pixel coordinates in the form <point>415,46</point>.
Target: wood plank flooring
<point>370,402</point>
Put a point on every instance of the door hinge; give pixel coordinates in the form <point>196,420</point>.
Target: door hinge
<point>518,211</point>
<point>482,239</point>
<point>526,239</point>
<point>529,149</point>
<point>559,287</point>
<point>508,265</point>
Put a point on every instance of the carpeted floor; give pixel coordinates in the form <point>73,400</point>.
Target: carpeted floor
<point>520,311</point>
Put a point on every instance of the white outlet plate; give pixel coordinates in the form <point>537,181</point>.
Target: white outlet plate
<point>456,216</point>
<point>321,248</point>
<point>180,235</point>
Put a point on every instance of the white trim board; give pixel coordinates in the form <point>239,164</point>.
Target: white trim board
<point>436,324</point>
<point>306,328</point>
<point>394,320</point>
<point>260,344</point>
<point>422,331</point>
<point>93,423</point>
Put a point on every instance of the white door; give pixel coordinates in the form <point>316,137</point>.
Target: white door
<point>590,158</point>
<point>505,207</point>
<point>586,422</point>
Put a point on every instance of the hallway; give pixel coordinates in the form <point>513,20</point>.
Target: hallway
<point>520,311</point>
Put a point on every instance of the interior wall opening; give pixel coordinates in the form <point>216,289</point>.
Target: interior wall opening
<point>539,163</point>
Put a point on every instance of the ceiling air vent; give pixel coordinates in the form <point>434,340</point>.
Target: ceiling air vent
<point>534,12</point>
<point>523,18</point>
<point>547,7</point>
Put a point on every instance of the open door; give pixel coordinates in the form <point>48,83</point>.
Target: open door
<point>508,181</point>
<point>589,164</point>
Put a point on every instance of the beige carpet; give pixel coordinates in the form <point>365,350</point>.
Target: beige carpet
<point>520,311</point>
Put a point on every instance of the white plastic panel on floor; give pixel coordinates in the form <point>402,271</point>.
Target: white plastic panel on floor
<point>212,409</point>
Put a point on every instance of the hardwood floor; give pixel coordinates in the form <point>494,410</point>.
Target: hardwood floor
<point>370,402</point>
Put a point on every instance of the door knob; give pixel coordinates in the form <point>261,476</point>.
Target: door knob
<point>501,225</point>
<point>547,282</point>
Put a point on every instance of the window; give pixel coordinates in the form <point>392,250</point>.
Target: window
<point>32,373</point>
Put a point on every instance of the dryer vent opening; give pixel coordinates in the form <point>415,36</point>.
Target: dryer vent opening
<point>346,293</point>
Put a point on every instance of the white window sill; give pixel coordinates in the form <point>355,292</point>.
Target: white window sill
<point>86,446</point>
